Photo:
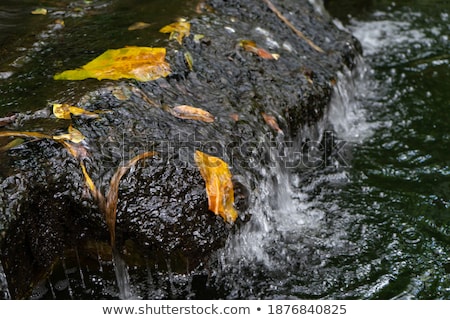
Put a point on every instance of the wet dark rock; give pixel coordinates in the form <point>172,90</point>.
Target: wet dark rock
<point>162,209</point>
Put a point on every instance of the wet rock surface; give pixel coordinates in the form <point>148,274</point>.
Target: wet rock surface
<point>45,208</point>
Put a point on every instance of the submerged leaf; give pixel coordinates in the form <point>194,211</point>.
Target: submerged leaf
<point>191,113</point>
<point>39,11</point>
<point>178,30</point>
<point>74,135</point>
<point>138,26</point>
<point>140,63</point>
<point>219,186</point>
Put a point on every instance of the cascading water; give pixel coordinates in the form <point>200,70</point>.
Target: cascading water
<point>4,292</point>
<point>122,276</point>
<point>295,222</point>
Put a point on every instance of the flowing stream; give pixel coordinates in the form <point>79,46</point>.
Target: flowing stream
<point>371,221</point>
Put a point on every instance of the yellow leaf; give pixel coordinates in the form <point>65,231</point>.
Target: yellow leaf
<point>90,184</point>
<point>41,11</point>
<point>138,26</point>
<point>74,135</point>
<point>140,63</point>
<point>191,113</point>
<point>178,30</point>
<point>219,186</point>
<point>63,111</point>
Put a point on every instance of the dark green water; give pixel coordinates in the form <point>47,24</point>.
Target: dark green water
<point>400,184</point>
<point>376,226</point>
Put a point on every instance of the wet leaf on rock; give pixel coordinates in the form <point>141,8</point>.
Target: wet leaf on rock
<point>219,186</point>
<point>272,122</point>
<point>191,113</point>
<point>64,111</point>
<point>189,60</point>
<point>178,30</point>
<point>140,63</point>
<point>73,135</point>
<point>251,46</point>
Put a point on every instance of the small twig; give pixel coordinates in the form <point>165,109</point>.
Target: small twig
<point>291,26</point>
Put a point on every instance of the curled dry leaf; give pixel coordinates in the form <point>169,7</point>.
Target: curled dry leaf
<point>178,30</point>
<point>251,46</point>
<point>272,122</point>
<point>191,113</point>
<point>73,135</point>
<point>139,63</point>
<point>219,186</point>
<point>64,111</point>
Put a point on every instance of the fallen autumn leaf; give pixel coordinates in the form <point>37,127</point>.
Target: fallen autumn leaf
<point>219,186</point>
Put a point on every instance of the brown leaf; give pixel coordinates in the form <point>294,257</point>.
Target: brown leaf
<point>219,186</point>
<point>251,46</point>
<point>113,192</point>
<point>191,113</point>
<point>235,117</point>
<point>272,122</point>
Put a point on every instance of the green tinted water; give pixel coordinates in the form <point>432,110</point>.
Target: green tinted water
<point>400,184</point>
